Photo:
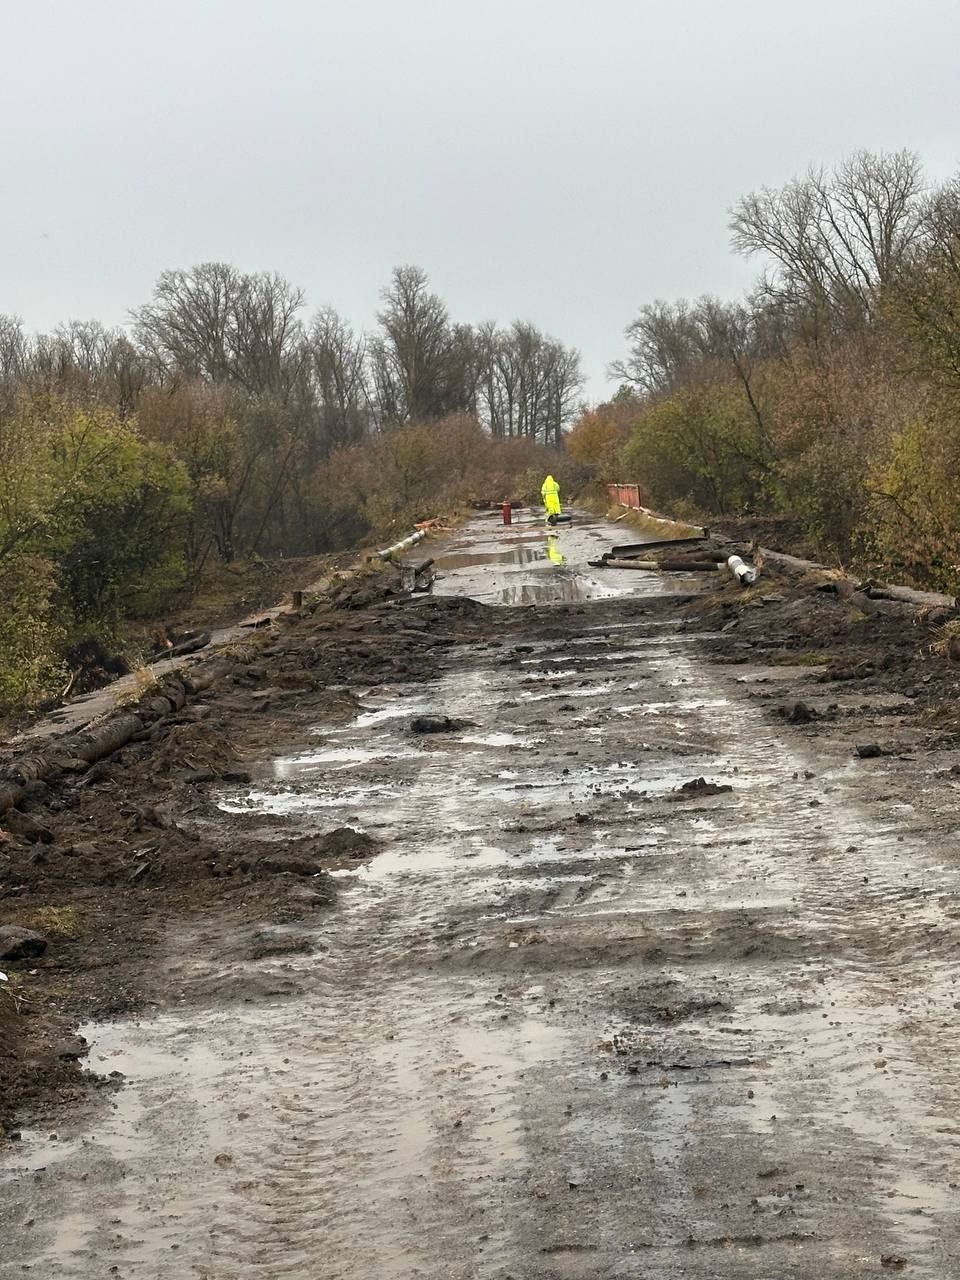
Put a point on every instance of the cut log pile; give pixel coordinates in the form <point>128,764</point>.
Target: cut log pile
<point>75,754</point>
<point>699,554</point>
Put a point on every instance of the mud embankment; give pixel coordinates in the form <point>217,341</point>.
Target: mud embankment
<point>98,859</point>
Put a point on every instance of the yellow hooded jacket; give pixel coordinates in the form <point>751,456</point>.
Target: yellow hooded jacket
<point>550,492</point>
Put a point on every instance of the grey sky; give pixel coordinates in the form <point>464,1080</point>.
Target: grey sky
<point>554,160</point>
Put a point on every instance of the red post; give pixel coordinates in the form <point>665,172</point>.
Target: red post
<point>507,513</point>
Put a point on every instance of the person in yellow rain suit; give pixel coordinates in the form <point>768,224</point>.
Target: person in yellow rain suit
<point>550,492</point>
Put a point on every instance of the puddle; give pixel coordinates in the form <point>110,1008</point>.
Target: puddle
<point>342,757</point>
<point>594,691</point>
<point>500,740</point>
<point>383,715</point>
<point>292,802</point>
<point>541,567</point>
<point>656,708</point>
<point>511,556</point>
<point>439,856</point>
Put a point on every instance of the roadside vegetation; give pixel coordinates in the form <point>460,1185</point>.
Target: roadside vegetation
<point>829,395</point>
<point>225,425</point>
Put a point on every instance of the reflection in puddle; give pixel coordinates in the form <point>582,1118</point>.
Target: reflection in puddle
<point>512,555</point>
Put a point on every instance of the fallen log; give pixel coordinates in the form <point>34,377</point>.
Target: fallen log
<point>421,566</point>
<point>907,595</point>
<point>663,566</point>
<point>631,549</point>
<point>689,566</point>
<point>205,677</point>
<point>97,743</point>
<point>192,645</point>
<point>162,704</point>
<point>902,600</point>
<point>871,606</point>
<point>77,752</point>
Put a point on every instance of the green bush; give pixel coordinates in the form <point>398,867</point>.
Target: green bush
<point>119,536</point>
<point>30,636</point>
<point>698,447</point>
<point>915,514</point>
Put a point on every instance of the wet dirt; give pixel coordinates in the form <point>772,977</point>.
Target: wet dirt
<point>564,1018</point>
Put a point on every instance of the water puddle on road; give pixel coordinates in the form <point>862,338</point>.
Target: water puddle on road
<point>576,588</point>
<point>341,758</point>
<point>499,739</point>
<point>525,554</point>
<point>367,719</point>
<point>680,705</point>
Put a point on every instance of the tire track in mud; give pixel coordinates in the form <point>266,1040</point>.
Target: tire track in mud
<point>565,1025</point>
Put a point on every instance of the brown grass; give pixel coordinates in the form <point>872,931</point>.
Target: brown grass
<point>59,922</point>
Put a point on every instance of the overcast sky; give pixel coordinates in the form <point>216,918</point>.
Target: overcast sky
<point>561,161</point>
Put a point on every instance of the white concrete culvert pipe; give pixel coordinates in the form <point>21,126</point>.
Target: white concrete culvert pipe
<point>745,574</point>
<point>403,545</point>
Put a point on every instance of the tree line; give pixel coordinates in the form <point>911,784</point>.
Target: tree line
<point>215,326</point>
<point>829,392</point>
<point>223,422</point>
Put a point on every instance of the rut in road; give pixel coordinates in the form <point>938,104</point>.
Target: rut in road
<point>568,1024</point>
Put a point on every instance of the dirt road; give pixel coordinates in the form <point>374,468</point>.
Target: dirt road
<point>574,1020</point>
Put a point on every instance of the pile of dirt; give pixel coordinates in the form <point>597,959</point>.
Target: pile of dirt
<point>438,724</point>
<point>778,533</point>
<point>803,618</point>
<point>346,842</point>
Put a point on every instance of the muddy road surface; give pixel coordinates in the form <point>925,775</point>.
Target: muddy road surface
<point>641,983</point>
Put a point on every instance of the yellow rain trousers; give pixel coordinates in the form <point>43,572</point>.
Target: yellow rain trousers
<point>550,492</point>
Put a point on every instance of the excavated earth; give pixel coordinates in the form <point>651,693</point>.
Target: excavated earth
<point>549,924</point>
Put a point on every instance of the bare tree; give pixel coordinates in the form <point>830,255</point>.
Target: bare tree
<point>836,239</point>
<point>338,378</point>
<point>666,346</point>
<point>421,365</point>
<point>498,382</point>
<point>927,297</point>
<point>187,328</point>
<point>14,356</point>
<point>528,383</point>
<point>218,324</point>
<point>564,384</point>
<point>85,358</point>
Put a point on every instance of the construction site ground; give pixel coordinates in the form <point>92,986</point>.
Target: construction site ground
<point>545,925</point>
